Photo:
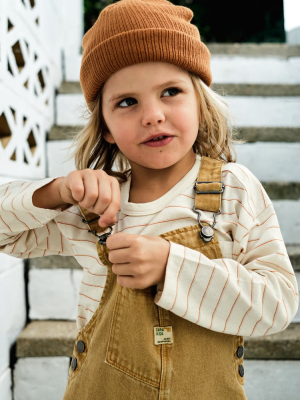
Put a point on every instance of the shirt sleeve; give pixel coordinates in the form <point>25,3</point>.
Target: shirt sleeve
<point>253,294</point>
<point>27,231</point>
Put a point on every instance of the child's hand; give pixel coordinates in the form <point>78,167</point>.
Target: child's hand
<point>93,190</point>
<point>139,260</point>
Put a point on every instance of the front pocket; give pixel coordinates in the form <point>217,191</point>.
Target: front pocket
<point>131,347</point>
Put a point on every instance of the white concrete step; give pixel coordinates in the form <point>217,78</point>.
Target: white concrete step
<point>272,380</point>
<point>40,378</point>
<point>288,214</point>
<point>248,111</point>
<point>57,154</point>
<point>53,293</point>
<point>271,162</point>
<point>250,69</point>
<point>265,111</point>
<point>13,312</point>
<point>5,384</point>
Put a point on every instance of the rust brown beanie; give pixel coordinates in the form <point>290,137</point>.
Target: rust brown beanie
<point>135,31</point>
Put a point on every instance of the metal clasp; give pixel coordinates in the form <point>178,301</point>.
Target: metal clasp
<point>210,191</point>
<point>90,220</point>
<point>207,232</point>
<point>102,238</point>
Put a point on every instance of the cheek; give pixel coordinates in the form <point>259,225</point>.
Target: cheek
<point>187,116</point>
<point>123,138</point>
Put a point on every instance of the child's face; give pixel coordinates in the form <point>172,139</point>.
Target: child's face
<point>149,108</point>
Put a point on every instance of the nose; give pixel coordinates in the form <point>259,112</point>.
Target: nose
<point>152,115</point>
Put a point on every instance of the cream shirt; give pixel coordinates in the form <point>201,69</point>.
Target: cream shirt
<point>251,291</point>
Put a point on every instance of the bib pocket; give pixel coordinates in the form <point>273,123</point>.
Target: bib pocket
<point>131,347</point>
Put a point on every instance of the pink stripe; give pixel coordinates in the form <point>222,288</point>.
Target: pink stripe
<point>248,309</point>
<point>187,305</point>
<point>178,279</point>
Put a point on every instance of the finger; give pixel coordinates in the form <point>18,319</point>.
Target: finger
<point>90,189</point>
<point>119,256</point>
<point>122,270</point>
<point>104,195</point>
<point>76,187</point>
<point>119,240</point>
<point>110,213</point>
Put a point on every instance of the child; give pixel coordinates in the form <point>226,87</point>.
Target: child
<point>187,255</point>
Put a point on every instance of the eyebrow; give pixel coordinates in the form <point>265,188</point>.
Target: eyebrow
<point>119,96</point>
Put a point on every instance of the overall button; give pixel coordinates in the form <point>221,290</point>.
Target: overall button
<point>80,346</point>
<point>74,364</point>
<point>240,351</point>
<point>241,370</point>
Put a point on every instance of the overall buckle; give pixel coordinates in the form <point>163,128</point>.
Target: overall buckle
<point>102,238</point>
<point>209,191</point>
<point>207,232</point>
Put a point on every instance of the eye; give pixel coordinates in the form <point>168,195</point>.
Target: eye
<point>130,99</point>
<point>172,90</point>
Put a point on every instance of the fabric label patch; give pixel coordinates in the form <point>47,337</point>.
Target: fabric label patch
<point>163,335</point>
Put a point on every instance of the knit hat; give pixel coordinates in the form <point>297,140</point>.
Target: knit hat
<point>135,31</point>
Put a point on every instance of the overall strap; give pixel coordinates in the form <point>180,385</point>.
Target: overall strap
<point>209,187</point>
<point>91,220</point>
<point>208,193</point>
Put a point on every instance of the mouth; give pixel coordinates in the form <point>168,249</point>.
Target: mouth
<point>159,141</point>
<point>159,138</point>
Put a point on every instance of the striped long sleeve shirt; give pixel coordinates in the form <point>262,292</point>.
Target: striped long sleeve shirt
<point>251,291</point>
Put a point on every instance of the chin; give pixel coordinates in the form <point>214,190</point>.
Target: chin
<point>162,164</point>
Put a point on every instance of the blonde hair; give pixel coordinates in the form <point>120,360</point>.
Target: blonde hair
<point>215,139</point>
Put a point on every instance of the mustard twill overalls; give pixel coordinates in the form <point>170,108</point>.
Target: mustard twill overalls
<point>133,349</point>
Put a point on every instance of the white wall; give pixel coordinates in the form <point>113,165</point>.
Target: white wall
<point>292,21</point>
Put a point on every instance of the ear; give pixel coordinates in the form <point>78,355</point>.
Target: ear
<point>109,137</point>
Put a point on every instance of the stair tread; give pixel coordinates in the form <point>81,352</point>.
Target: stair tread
<point>231,89</point>
<point>247,89</point>
<point>47,339</point>
<point>53,262</point>
<point>57,338</point>
<point>255,49</point>
<point>271,134</point>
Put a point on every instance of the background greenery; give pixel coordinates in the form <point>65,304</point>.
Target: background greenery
<point>228,21</point>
